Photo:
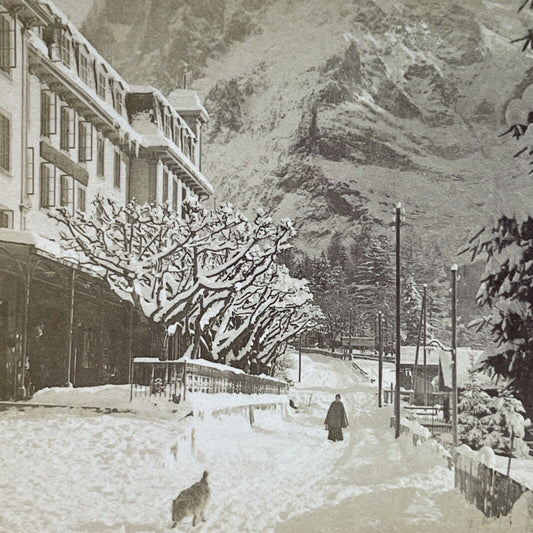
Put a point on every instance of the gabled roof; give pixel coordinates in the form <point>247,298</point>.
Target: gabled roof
<point>467,360</point>
<point>408,355</point>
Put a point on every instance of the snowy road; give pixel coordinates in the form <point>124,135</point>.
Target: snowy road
<point>62,472</point>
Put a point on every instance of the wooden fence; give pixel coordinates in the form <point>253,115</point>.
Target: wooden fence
<point>173,379</point>
<point>492,492</point>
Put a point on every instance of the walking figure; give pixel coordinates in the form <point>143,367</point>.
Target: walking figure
<point>336,419</point>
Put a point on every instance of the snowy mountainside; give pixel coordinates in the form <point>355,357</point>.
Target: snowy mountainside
<point>330,111</point>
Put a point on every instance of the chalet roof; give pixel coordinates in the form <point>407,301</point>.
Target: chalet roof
<point>408,355</point>
<point>467,359</point>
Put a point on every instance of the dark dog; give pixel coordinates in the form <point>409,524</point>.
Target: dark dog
<point>191,501</point>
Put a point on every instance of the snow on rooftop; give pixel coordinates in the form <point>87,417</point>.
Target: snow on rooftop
<point>155,140</point>
<point>187,100</point>
<point>80,37</point>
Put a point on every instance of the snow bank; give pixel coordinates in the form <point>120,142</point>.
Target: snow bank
<point>118,397</point>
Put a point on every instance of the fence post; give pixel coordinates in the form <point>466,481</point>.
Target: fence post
<point>184,381</point>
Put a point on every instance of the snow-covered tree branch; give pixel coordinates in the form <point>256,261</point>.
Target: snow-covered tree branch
<point>211,273</point>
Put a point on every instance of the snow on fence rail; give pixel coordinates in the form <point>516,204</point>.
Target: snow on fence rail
<point>173,379</point>
<point>492,492</point>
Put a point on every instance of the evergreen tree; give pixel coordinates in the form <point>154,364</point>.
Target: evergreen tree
<point>412,307</point>
<point>507,290</point>
<point>490,421</point>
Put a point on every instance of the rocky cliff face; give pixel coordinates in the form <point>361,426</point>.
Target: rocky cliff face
<point>332,111</point>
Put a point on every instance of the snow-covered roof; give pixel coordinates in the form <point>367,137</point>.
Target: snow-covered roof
<point>408,355</point>
<point>47,248</point>
<point>467,359</point>
<point>158,140</point>
<point>82,40</point>
<point>148,89</point>
<point>187,101</point>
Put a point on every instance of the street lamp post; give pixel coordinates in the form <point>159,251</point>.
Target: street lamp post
<point>454,354</point>
<point>397,221</point>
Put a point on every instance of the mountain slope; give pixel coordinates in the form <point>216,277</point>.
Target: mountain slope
<point>330,111</point>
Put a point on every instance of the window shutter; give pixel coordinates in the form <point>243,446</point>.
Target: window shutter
<point>5,143</point>
<point>100,149</point>
<point>30,171</point>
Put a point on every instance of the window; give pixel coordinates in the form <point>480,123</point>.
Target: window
<point>68,130</point>
<point>30,171</point>
<point>177,136</point>
<point>101,82</point>
<point>84,67</point>
<point>6,218</point>
<point>100,155</point>
<point>165,186</point>
<point>175,186</point>
<point>85,146</point>
<point>65,49</point>
<point>66,193</point>
<point>168,126</point>
<point>116,171</point>
<point>81,198</point>
<point>118,102</point>
<point>48,113</point>
<point>8,52</point>
<point>48,185</point>
<point>5,143</point>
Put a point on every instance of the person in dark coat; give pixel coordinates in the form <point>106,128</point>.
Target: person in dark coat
<point>336,419</point>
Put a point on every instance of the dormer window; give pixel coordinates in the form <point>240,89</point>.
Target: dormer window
<point>119,101</point>
<point>177,134</point>
<point>84,67</point>
<point>101,83</point>
<point>65,49</point>
<point>168,126</point>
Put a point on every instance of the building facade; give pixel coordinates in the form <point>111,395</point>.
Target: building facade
<point>71,128</point>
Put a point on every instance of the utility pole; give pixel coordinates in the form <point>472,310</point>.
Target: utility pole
<point>397,221</point>
<point>300,358</point>
<point>350,333</point>
<point>424,303</point>
<point>454,354</point>
<point>380,363</point>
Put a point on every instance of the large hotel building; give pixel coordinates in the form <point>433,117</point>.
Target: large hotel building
<point>70,128</point>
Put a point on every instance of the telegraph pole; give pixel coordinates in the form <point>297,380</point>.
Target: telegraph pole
<point>397,221</point>
<point>380,364</point>
<point>300,358</point>
<point>425,352</point>
<point>454,354</point>
<point>350,333</point>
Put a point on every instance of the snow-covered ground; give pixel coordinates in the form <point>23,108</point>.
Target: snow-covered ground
<point>80,471</point>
